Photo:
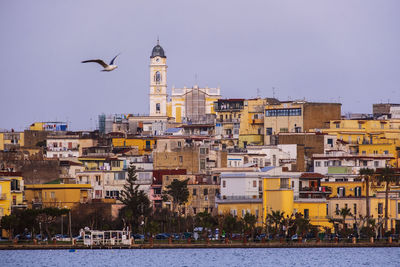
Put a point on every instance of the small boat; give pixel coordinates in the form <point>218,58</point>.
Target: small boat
<point>72,250</point>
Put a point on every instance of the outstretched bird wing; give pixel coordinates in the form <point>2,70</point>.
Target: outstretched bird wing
<point>101,62</point>
<point>112,60</point>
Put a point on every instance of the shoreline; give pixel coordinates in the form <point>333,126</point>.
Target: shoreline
<point>194,246</point>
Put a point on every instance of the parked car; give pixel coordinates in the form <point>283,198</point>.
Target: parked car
<point>138,236</point>
<point>162,236</point>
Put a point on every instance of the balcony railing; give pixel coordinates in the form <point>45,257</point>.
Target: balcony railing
<point>320,189</point>
<point>228,120</point>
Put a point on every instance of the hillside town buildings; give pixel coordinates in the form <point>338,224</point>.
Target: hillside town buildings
<point>238,155</point>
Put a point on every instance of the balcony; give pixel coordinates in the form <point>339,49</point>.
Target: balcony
<point>60,149</point>
<point>257,121</point>
<point>316,190</point>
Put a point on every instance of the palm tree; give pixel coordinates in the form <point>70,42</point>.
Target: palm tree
<point>276,218</point>
<point>344,212</point>
<point>387,175</point>
<point>367,173</point>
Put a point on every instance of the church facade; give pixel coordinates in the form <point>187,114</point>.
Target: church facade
<point>186,105</point>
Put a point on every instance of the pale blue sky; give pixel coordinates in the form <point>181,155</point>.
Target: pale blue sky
<point>342,50</point>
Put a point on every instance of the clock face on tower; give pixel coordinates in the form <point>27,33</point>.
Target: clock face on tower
<point>157,59</point>
<point>157,90</point>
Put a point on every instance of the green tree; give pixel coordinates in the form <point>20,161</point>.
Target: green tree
<point>387,175</point>
<point>367,174</point>
<point>179,193</point>
<point>137,204</point>
<point>8,223</point>
<point>276,218</point>
<point>48,216</point>
<point>302,225</point>
<point>205,220</point>
<point>249,222</point>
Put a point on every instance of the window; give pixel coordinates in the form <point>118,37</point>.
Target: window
<point>257,214</point>
<point>357,191</point>
<point>157,77</point>
<point>306,213</point>
<point>243,213</point>
<point>354,209</point>
<point>337,125</point>
<point>376,163</point>
<point>205,191</point>
<point>318,164</point>
<point>327,209</point>
<point>284,130</point>
<point>337,209</point>
<point>52,195</point>
<point>386,152</point>
<point>398,207</point>
<point>194,192</point>
<point>224,183</point>
<point>180,159</point>
<point>254,183</point>
<point>325,163</point>
<point>330,142</point>
<point>346,206</point>
<point>158,108</point>
<point>341,191</point>
<point>380,208</point>
<point>283,112</point>
<point>179,144</point>
<point>203,150</point>
<point>359,126</point>
<point>202,164</point>
<point>194,211</point>
<point>268,131</point>
<point>284,182</point>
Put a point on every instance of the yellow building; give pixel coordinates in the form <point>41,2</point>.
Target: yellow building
<point>17,189</point>
<point>5,196</point>
<point>93,163</point>
<point>11,140</point>
<point>252,122</point>
<point>57,195</point>
<point>144,145</point>
<point>239,208</point>
<point>360,133</point>
<point>389,148</point>
<point>346,189</point>
<point>278,195</point>
<point>297,116</point>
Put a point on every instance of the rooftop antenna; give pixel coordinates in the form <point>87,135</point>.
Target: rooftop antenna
<point>158,40</point>
<point>273,92</point>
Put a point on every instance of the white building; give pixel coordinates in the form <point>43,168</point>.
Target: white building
<point>343,162</point>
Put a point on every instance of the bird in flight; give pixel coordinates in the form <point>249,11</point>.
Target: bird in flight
<point>107,67</point>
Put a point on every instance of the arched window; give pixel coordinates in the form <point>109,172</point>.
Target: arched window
<point>157,77</point>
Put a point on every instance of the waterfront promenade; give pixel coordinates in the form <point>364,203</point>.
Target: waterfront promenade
<point>157,245</point>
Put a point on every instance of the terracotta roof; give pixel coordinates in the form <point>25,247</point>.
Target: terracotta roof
<point>311,175</point>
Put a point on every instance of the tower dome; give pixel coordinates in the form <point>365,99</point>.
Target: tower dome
<point>158,51</point>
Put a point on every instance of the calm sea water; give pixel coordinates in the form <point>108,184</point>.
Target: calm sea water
<point>205,257</point>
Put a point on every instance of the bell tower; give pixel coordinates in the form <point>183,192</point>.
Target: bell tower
<point>158,82</point>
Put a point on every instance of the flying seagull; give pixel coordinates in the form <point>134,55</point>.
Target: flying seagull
<point>107,67</point>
